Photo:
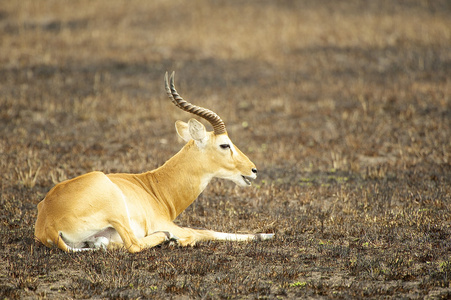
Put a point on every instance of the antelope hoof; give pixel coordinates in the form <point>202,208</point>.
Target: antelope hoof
<point>263,236</point>
<point>172,239</point>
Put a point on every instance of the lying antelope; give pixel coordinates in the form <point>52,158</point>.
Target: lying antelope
<point>136,211</point>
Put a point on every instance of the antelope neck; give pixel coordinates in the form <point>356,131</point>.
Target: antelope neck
<point>179,181</point>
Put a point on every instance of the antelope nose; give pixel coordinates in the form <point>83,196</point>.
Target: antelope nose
<point>254,170</point>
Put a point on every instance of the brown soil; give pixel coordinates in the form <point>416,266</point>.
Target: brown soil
<point>344,106</point>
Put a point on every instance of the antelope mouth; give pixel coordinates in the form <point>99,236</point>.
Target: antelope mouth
<point>246,179</point>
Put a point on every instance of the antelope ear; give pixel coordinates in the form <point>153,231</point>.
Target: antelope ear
<point>197,130</point>
<point>182,130</point>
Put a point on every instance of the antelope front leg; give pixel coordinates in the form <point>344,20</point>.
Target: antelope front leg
<point>222,236</point>
<point>189,236</point>
<point>157,238</point>
<point>150,241</point>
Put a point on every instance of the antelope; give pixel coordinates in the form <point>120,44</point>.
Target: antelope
<point>136,211</point>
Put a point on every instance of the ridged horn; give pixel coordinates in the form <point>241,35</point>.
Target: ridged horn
<point>210,116</point>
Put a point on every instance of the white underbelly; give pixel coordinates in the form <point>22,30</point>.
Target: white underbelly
<point>92,238</point>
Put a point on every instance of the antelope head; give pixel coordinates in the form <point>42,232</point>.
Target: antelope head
<point>221,158</point>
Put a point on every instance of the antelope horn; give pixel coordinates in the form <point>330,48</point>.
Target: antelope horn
<point>210,116</point>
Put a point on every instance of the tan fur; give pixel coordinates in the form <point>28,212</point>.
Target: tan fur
<point>136,211</point>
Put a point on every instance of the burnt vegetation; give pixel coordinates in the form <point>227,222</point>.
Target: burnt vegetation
<point>344,107</point>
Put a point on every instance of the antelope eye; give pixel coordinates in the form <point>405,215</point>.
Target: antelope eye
<point>225,146</point>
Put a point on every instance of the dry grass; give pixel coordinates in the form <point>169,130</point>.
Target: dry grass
<point>344,107</point>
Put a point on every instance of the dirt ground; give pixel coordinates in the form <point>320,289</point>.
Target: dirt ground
<point>344,106</point>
